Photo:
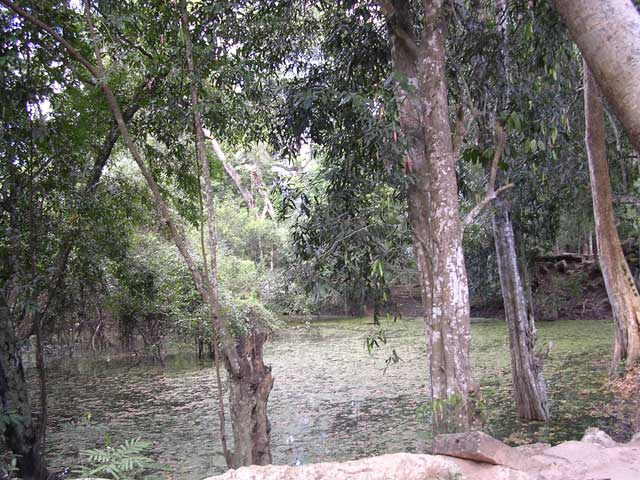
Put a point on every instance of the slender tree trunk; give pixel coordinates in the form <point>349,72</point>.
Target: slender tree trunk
<point>529,388</point>
<point>608,35</point>
<point>433,210</point>
<point>618,280</point>
<point>251,384</point>
<point>20,433</point>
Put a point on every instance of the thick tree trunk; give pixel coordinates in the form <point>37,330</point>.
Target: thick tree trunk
<point>621,288</point>
<point>434,212</point>
<point>529,388</point>
<point>608,35</point>
<point>20,434</point>
<point>248,394</point>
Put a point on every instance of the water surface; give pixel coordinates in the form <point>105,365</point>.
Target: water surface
<point>331,399</point>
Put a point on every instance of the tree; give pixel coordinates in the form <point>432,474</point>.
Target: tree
<point>348,111</point>
<point>50,191</point>
<point>250,379</point>
<point>526,367</point>
<point>433,206</point>
<point>621,288</point>
<point>608,35</point>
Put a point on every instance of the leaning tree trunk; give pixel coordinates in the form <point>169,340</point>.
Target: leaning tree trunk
<point>608,35</point>
<point>529,387</point>
<point>621,288</point>
<point>251,381</point>
<point>433,210</point>
<point>20,432</point>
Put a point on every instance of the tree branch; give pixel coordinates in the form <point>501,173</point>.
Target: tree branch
<point>492,193</point>
<point>626,200</point>
<point>490,197</point>
<point>389,11</point>
<point>231,171</point>
<point>40,24</point>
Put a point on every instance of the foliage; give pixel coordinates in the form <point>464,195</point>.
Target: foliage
<point>247,314</point>
<point>129,461</point>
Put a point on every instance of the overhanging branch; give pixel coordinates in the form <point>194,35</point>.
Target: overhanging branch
<point>492,193</point>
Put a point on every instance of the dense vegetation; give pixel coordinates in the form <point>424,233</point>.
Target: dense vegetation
<point>195,173</point>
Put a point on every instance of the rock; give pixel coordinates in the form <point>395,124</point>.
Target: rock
<point>635,438</point>
<point>575,451</point>
<point>480,447</point>
<point>586,461</point>
<point>400,466</point>
<point>532,448</point>
<point>597,436</point>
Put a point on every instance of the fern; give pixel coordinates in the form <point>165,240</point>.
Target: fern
<point>129,461</point>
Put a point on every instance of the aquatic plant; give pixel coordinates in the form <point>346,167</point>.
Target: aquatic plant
<point>129,461</point>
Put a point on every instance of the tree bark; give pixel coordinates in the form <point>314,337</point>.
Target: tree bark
<point>20,434</point>
<point>608,35</point>
<point>621,288</point>
<point>251,385</point>
<point>248,395</point>
<point>529,388</point>
<point>433,210</point>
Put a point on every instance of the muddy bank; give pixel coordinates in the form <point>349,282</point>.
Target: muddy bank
<point>565,286</point>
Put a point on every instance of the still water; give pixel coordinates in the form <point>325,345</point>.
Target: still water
<point>332,399</point>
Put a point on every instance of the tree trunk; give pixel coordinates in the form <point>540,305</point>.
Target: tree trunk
<point>20,434</point>
<point>251,383</point>
<point>529,388</point>
<point>621,288</point>
<point>608,35</point>
<point>248,395</point>
<point>433,210</point>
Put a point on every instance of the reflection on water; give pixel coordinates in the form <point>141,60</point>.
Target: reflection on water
<point>330,399</point>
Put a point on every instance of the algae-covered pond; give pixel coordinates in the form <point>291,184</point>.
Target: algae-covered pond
<point>331,399</point>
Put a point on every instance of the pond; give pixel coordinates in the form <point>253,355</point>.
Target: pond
<point>332,399</point>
